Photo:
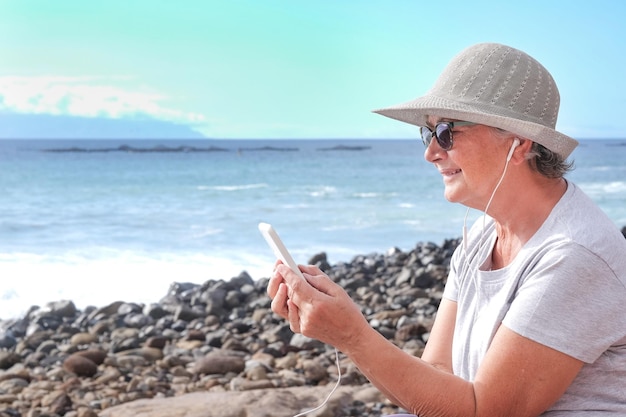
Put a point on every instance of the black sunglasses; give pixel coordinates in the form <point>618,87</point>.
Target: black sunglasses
<point>442,132</point>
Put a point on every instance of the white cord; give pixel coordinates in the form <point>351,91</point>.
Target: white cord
<point>482,232</point>
<point>331,392</point>
<point>465,231</point>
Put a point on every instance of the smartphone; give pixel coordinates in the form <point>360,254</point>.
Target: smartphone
<point>281,252</point>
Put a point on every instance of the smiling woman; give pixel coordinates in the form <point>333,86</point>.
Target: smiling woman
<point>518,294</point>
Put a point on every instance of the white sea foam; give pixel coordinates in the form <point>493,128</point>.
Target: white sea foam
<point>206,232</point>
<point>323,191</point>
<point>233,187</point>
<point>125,276</point>
<point>290,206</point>
<point>602,189</point>
<point>615,187</point>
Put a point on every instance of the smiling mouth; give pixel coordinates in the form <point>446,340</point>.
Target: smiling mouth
<point>450,172</point>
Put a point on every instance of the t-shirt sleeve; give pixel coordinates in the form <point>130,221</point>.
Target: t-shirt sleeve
<point>451,290</point>
<point>571,301</point>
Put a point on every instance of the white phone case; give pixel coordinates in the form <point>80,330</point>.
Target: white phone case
<point>278,247</point>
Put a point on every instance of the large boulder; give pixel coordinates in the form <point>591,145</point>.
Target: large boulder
<point>256,403</point>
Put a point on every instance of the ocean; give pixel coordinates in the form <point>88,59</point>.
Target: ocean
<point>96,221</point>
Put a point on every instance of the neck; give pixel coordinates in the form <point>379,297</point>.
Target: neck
<point>519,212</point>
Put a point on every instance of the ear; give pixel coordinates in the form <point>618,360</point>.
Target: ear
<point>519,151</point>
<point>515,144</point>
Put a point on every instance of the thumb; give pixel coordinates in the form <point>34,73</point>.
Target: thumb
<point>322,283</point>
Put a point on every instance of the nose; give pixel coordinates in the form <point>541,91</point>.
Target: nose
<point>434,152</point>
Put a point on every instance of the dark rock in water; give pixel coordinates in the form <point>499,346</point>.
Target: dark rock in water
<point>134,149</point>
<point>346,148</point>
<point>269,148</point>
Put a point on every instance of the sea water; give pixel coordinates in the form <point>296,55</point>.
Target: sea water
<point>100,221</point>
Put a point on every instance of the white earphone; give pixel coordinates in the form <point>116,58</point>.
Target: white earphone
<point>516,143</point>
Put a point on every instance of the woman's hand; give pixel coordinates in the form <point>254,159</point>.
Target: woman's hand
<point>277,291</point>
<point>316,307</point>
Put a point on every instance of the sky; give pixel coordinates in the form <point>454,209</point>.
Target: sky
<point>288,68</point>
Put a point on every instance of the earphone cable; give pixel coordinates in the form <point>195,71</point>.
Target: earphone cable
<point>331,392</point>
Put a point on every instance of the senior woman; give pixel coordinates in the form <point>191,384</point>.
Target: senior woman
<point>533,316</point>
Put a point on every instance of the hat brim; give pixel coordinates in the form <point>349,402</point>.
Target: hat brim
<point>416,112</point>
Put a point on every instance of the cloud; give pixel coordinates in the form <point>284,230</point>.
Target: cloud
<point>103,97</point>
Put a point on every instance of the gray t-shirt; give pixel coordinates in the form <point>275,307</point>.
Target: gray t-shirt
<point>565,289</point>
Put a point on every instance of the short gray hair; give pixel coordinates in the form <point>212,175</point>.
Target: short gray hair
<point>548,163</point>
<point>541,159</point>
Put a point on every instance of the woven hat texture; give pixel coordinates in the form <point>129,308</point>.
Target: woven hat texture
<point>494,85</point>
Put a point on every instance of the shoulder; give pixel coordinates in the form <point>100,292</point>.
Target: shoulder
<point>580,234</point>
<point>567,294</point>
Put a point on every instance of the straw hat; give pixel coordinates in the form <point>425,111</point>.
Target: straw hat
<point>494,85</point>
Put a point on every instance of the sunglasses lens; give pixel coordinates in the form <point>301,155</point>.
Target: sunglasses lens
<point>427,135</point>
<point>444,136</point>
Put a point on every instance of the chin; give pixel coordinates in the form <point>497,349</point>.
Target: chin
<point>451,196</point>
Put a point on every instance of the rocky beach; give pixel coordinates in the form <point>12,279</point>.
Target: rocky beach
<point>214,349</point>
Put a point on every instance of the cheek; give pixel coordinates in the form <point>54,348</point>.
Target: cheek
<point>474,159</point>
<point>475,170</point>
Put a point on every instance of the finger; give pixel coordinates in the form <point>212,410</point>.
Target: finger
<point>318,279</point>
<point>273,284</point>
<point>298,287</point>
<point>322,283</point>
<point>294,316</point>
<point>311,269</point>
<point>279,303</point>
<point>275,280</point>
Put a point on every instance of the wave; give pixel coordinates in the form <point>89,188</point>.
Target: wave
<point>114,276</point>
<point>299,206</point>
<point>373,194</point>
<point>605,168</point>
<point>323,191</point>
<point>597,188</point>
<point>232,187</point>
<point>615,187</point>
<point>201,234</point>
<point>366,195</point>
